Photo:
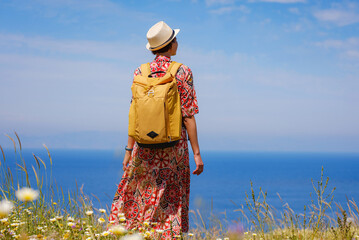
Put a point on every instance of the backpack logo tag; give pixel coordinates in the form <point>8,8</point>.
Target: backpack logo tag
<point>152,134</point>
<point>151,92</point>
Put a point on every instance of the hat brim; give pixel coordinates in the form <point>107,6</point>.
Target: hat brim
<point>168,42</point>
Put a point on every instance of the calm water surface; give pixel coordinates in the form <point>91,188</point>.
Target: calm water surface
<point>226,178</point>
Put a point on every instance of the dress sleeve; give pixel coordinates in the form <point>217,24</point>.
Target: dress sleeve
<point>187,92</point>
<point>137,72</point>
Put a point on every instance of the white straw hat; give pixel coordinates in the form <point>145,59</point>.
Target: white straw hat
<point>160,35</point>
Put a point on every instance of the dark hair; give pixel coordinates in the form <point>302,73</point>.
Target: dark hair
<point>165,48</point>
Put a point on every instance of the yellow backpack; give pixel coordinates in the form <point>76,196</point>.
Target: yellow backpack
<point>155,114</point>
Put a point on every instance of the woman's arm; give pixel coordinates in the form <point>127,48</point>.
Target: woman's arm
<point>126,159</point>
<point>191,126</point>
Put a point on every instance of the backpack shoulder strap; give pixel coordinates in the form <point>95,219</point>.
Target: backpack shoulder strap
<point>173,68</point>
<point>145,69</point>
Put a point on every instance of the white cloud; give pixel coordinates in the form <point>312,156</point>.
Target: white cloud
<point>65,85</point>
<point>337,17</point>
<point>71,11</point>
<point>266,21</point>
<point>99,6</point>
<point>60,92</point>
<point>348,48</point>
<point>83,48</point>
<point>345,44</point>
<point>219,2</point>
<point>230,9</point>
<point>280,1</point>
<point>330,43</point>
<point>353,54</point>
<point>294,10</point>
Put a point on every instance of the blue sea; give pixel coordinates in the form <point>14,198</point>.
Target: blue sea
<point>226,178</point>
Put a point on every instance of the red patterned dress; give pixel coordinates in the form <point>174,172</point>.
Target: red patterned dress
<point>156,186</point>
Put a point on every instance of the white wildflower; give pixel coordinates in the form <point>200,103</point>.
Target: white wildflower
<point>135,236</point>
<point>71,224</point>
<point>118,230</point>
<point>5,208</point>
<point>27,194</point>
<point>102,210</point>
<point>89,213</point>
<point>105,233</point>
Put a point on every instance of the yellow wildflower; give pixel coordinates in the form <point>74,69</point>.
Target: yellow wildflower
<point>66,235</point>
<point>3,220</point>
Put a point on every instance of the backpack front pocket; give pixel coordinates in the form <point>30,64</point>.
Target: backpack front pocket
<point>151,120</point>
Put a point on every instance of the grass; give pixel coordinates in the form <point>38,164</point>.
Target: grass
<point>56,215</point>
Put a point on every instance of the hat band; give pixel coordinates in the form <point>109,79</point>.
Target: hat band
<point>173,33</point>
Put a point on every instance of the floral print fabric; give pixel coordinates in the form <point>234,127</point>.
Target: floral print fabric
<point>155,188</point>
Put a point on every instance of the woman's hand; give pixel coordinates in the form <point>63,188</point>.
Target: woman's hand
<point>191,126</point>
<point>199,164</point>
<point>126,160</point>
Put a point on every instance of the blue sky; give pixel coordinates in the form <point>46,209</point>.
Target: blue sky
<point>270,75</point>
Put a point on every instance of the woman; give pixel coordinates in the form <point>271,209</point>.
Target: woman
<point>155,185</point>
